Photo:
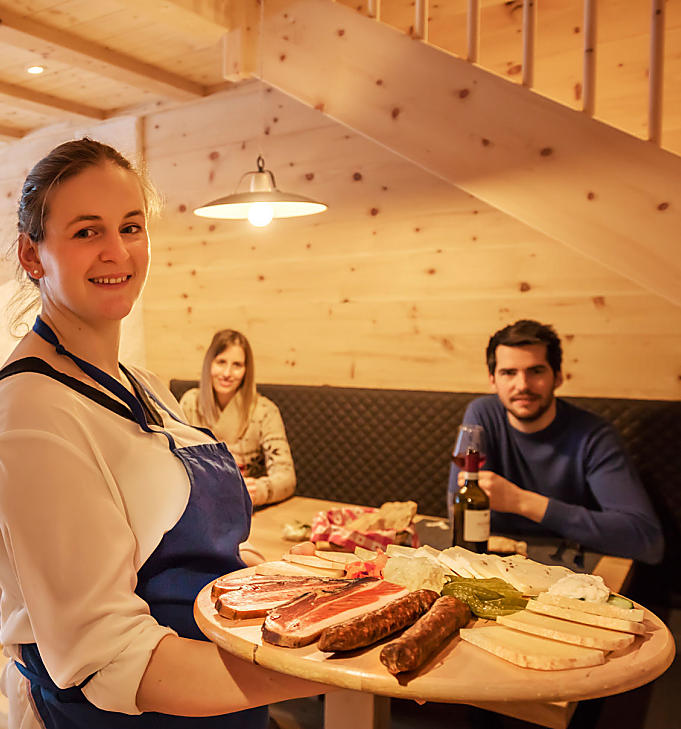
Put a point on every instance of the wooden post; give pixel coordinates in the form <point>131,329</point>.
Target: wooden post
<point>421,20</point>
<point>473,36</point>
<point>240,43</point>
<point>655,78</point>
<point>529,23</point>
<point>589,71</point>
<point>367,711</point>
<point>374,9</point>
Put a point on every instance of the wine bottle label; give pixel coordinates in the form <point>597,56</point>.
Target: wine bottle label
<point>470,475</point>
<point>476,525</point>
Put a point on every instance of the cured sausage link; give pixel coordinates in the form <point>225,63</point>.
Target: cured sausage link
<point>372,626</point>
<point>416,644</point>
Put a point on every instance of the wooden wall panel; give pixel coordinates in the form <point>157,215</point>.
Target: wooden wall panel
<point>399,284</point>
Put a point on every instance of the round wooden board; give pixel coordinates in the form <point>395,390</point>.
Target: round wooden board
<point>461,672</point>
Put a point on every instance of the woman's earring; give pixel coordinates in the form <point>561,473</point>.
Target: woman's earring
<point>36,272</point>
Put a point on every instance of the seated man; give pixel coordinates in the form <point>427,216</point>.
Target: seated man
<point>553,468</point>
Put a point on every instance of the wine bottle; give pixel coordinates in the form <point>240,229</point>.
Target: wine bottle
<point>470,508</point>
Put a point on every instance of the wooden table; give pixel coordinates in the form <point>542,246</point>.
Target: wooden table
<point>546,698</point>
<point>267,537</point>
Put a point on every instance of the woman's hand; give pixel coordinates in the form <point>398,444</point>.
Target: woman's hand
<point>252,486</point>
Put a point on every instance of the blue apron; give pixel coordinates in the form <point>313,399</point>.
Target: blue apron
<point>203,545</point>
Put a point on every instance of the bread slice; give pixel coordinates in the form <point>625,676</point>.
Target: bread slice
<point>530,651</point>
<point>596,608</point>
<point>291,568</point>
<point>578,616</point>
<point>566,631</point>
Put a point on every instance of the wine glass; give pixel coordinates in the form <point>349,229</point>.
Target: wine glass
<point>469,438</point>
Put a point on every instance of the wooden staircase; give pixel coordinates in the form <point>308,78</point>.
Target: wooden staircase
<point>613,197</point>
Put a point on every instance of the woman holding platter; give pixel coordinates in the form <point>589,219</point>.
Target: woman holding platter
<point>114,512</point>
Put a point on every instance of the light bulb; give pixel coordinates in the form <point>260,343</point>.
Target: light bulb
<point>260,214</point>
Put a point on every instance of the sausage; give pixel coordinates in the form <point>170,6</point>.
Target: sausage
<point>372,626</point>
<point>416,644</point>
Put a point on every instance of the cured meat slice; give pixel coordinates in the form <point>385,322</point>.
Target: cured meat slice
<point>255,596</point>
<point>301,621</point>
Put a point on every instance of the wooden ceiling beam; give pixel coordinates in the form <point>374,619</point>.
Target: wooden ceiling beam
<point>219,13</point>
<point>200,20</point>
<point>70,49</point>
<point>37,101</point>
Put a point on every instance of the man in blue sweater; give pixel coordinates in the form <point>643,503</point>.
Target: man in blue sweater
<point>553,468</point>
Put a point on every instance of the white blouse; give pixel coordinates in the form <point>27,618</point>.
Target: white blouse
<point>85,498</point>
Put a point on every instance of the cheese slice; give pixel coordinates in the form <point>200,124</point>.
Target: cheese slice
<point>365,554</point>
<point>528,576</point>
<point>309,560</point>
<point>597,608</point>
<point>282,567</point>
<point>456,564</point>
<point>565,631</point>
<point>530,651</point>
<point>393,550</point>
<point>578,616</point>
<point>339,558</point>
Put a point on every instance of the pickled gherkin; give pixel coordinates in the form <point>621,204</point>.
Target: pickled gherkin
<point>487,598</point>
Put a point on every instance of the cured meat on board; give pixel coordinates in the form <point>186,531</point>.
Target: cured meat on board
<point>301,621</point>
<point>253,597</point>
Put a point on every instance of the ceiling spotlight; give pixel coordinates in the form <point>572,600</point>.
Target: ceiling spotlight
<point>35,69</point>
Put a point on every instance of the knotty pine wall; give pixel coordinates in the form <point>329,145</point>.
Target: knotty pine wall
<point>398,285</point>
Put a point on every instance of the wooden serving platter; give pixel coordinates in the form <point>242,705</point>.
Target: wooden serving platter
<point>459,673</point>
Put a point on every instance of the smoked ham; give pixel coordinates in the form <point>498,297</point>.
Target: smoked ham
<point>301,621</point>
<point>254,596</point>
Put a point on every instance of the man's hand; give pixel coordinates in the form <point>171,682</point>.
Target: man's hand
<point>506,496</point>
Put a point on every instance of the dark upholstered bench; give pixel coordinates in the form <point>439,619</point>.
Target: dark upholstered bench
<point>368,446</point>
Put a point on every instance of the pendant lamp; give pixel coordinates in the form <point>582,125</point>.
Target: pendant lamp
<point>262,202</point>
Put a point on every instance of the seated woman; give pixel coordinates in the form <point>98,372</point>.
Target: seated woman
<point>227,402</point>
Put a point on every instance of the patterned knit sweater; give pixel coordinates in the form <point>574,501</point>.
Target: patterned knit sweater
<point>262,452</point>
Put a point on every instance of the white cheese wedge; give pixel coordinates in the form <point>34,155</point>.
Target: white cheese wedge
<point>565,631</point>
<point>291,568</point>
<point>341,558</point>
<point>394,550</point>
<point>365,554</point>
<point>308,560</point>
<point>530,651</point>
<point>597,608</point>
<point>456,564</point>
<point>462,561</point>
<point>430,550</point>
<point>415,573</point>
<point>528,576</point>
<point>578,616</point>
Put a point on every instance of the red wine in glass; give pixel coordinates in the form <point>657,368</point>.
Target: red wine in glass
<point>469,438</point>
